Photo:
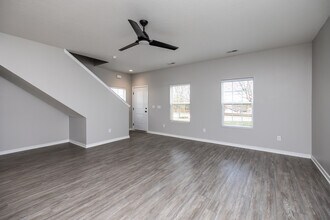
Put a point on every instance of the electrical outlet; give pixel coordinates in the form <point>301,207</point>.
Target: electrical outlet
<point>279,138</point>
<point>164,125</point>
<point>153,106</point>
<point>109,130</point>
<point>204,130</point>
<point>159,106</point>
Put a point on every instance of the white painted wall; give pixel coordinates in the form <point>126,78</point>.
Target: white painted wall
<point>27,121</point>
<point>282,104</point>
<point>321,97</point>
<point>53,72</point>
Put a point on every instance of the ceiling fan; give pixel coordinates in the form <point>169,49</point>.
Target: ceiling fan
<point>143,37</point>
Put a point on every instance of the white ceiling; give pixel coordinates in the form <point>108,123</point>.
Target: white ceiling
<point>203,29</point>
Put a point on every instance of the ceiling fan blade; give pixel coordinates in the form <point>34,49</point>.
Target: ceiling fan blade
<point>137,29</point>
<point>129,46</point>
<point>162,45</point>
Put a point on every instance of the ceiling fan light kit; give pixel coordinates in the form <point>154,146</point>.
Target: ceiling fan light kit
<point>143,37</point>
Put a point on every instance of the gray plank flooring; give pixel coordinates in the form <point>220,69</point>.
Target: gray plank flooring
<point>156,177</point>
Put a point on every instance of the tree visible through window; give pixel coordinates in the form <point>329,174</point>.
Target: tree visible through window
<point>237,102</point>
<point>180,102</point>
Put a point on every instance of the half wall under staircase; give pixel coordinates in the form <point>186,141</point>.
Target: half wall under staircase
<point>97,114</point>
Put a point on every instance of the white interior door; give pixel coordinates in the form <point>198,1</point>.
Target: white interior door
<point>140,108</point>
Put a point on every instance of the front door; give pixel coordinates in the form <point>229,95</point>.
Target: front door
<point>140,108</point>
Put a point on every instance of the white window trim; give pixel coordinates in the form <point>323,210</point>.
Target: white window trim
<point>117,94</point>
<point>222,108</point>
<point>177,121</point>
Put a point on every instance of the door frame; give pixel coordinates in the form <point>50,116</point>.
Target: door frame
<point>142,86</point>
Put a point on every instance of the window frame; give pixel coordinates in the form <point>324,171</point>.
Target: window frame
<point>222,104</point>
<point>112,88</point>
<point>178,121</point>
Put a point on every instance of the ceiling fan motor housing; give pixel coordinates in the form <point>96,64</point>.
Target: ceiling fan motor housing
<point>143,22</point>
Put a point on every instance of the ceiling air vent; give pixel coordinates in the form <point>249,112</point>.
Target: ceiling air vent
<point>232,51</point>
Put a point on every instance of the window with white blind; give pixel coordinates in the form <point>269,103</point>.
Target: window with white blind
<point>180,103</point>
<point>237,102</point>
<point>121,92</point>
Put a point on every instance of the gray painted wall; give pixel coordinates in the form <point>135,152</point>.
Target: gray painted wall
<point>26,120</point>
<point>109,78</point>
<point>321,97</point>
<point>55,73</point>
<point>77,129</point>
<point>282,104</point>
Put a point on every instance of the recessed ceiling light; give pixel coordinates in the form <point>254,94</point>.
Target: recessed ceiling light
<point>232,51</point>
<point>130,70</point>
<point>114,57</point>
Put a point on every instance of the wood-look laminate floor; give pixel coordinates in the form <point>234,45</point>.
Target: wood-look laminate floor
<point>156,177</point>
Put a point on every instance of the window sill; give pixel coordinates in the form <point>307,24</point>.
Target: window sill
<point>175,121</point>
<point>233,126</point>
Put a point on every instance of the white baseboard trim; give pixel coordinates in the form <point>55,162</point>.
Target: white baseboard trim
<point>61,142</point>
<point>321,169</point>
<point>33,147</point>
<point>77,143</point>
<point>289,153</point>
<point>107,141</point>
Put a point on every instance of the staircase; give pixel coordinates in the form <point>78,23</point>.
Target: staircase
<point>97,114</point>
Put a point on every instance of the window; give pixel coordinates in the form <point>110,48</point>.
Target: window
<point>180,103</point>
<point>237,102</point>
<point>121,92</point>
